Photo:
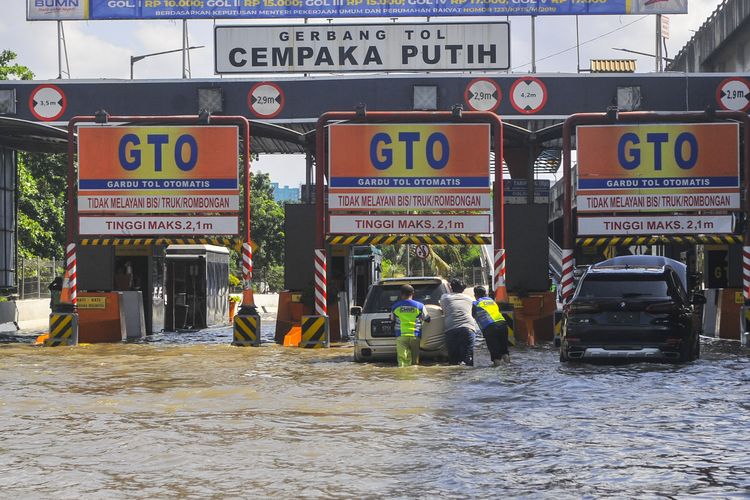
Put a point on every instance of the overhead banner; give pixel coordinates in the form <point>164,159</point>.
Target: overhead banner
<point>167,225</point>
<point>287,9</point>
<point>658,168</point>
<point>361,47</point>
<point>409,167</point>
<point>157,169</point>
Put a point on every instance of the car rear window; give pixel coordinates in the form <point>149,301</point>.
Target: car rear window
<point>382,297</point>
<point>623,286</point>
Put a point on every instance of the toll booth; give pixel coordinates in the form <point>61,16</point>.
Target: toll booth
<point>197,279</point>
<point>364,269</point>
<point>108,268</point>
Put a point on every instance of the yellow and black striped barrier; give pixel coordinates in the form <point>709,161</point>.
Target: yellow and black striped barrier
<point>701,239</point>
<point>246,330</point>
<point>385,239</point>
<point>315,332</point>
<point>63,329</point>
<point>508,317</point>
<point>235,243</point>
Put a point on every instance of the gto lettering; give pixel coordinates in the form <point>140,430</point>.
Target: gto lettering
<point>684,151</point>
<point>436,149</point>
<point>185,151</point>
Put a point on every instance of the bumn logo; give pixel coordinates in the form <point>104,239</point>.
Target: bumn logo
<point>56,3</point>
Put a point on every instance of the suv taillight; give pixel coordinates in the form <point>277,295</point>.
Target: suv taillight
<point>661,308</point>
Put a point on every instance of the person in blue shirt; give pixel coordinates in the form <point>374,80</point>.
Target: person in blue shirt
<point>407,316</point>
<point>492,323</point>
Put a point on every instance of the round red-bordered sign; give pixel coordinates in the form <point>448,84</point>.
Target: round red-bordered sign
<point>265,100</point>
<point>528,95</point>
<point>47,102</point>
<point>733,94</point>
<point>483,94</point>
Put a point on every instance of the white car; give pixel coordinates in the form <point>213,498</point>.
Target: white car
<point>374,339</point>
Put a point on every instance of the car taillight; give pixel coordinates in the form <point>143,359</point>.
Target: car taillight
<point>661,307</point>
<point>583,308</point>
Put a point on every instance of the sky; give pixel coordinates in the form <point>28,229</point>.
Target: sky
<point>102,49</point>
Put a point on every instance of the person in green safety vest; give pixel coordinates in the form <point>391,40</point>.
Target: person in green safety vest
<point>407,316</point>
<point>492,323</point>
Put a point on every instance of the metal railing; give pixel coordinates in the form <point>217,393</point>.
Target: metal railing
<point>35,275</point>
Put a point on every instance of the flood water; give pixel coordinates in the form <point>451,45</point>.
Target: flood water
<point>187,415</point>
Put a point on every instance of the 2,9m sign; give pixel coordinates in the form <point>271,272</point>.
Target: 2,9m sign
<point>176,159</point>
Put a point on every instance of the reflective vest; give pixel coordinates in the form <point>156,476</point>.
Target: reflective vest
<point>408,316</point>
<point>486,312</point>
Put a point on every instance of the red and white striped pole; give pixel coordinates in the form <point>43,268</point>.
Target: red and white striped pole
<point>247,264</point>
<point>321,286</point>
<point>501,293</point>
<point>70,268</point>
<point>568,265</point>
<point>746,273</point>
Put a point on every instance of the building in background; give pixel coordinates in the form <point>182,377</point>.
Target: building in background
<point>722,44</point>
<point>285,194</point>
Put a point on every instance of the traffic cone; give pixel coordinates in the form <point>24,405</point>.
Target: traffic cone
<point>501,294</point>
<point>66,294</point>
<point>247,297</point>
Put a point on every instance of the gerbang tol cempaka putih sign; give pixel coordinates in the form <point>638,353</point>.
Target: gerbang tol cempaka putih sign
<point>362,47</point>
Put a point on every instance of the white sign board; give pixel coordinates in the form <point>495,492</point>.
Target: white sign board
<point>655,225</point>
<point>143,225</point>
<point>409,201</point>
<point>410,224</point>
<point>340,48</point>
<point>103,203</point>
<point>684,202</point>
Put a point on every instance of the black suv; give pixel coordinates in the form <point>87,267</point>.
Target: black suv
<point>631,310</point>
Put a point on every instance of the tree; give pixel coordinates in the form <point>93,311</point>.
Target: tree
<point>13,71</point>
<point>41,204</point>
<point>266,223</point>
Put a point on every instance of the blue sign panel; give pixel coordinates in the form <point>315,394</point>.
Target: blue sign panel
<point>274,9</point>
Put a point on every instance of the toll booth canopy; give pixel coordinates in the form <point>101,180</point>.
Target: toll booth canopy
<point>197,286</point>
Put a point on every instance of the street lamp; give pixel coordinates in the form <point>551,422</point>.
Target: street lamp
<point>135,59</point>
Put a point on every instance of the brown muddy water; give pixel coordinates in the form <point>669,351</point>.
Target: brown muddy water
<point>188,416</point>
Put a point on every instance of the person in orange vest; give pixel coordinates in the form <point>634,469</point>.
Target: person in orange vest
<point>492,323</point>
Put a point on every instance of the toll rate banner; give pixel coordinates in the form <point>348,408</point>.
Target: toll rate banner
<point>164,170</point>
<point>658,168</point>
<point>269,9</point>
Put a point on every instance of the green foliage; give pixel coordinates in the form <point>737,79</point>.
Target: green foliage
<point>41,204</point>
<point>275,278</point>
<point>267,223</point>
<point>13,71</point>
<point>234,281</point>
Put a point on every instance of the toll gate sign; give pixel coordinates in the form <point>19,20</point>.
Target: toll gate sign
<point>671,171</point>
<point>438,173</point>
<point>153,180</point>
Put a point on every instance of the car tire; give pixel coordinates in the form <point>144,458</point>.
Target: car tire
<point>357,358</point>
<point>564,355</point>
<point>687,351</point>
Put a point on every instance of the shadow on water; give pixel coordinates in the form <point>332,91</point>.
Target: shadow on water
<point>184,414</point>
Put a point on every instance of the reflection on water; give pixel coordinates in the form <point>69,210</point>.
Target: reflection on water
<point>186,415</point>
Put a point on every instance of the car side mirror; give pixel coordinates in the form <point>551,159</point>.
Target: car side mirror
<point>698,299</point>
<point>356,311</point>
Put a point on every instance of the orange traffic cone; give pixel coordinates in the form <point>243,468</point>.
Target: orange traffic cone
<point>501,294</point>
<point>66,295</point>
<point>247,297</point>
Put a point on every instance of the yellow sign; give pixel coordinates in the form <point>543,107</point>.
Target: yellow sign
<point>92,302</point>
<point>738,298</point>
<point>516,301</point>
